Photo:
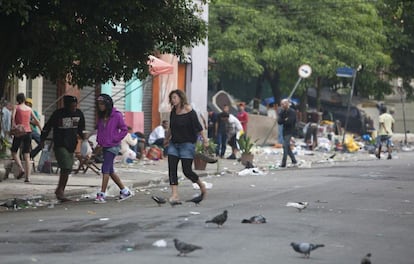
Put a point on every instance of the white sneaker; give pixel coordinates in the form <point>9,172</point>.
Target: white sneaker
<point>100,198</point>
<point>125,195</point>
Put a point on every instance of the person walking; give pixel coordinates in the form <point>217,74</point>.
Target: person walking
<point>111,129</point>
<point>221,131</point>
<point>67,123</point>
<point>184,130</point>
<point>385,130</point>
<point>35,132</point>
<point>21,117</point>
<point>287,118</point>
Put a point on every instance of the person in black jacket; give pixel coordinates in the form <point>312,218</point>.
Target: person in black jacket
<point>287,118</point>
<point>67,123</point>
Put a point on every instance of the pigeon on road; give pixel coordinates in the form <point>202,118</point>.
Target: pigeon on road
<point>184,248</point>
<point>298,205</point>
<point>305,248</point>
<point>159,200</point>
<point>366,259</point>
<point>219,219</point>
<point>257,219</point>
<point>196,200</point>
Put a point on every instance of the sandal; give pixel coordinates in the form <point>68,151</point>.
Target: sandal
<point>26,180</point>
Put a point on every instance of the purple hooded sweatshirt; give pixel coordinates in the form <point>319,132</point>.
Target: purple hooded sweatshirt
<point>112,132</point>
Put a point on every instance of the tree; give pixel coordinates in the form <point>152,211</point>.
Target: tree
<point>94,40</point>
<point>269,40</point>
<point>399,18</point>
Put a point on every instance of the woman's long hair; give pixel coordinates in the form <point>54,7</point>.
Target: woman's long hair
<point>109,104</point>
<point>181,94</point>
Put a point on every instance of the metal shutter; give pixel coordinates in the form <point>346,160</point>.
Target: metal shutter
<point>87,105</point>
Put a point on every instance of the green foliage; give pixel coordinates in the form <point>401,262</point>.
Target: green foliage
<point>246,144</point>
<point>398,16</point>
<point>256,39</point>
<point>4,145</point>
<point>200,149</point>
<point>110,39</point>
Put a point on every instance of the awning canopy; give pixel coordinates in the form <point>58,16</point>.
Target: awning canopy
<point>157,66</point>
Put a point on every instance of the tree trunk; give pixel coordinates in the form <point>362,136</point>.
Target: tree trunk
<point>318,93</point>
<point>274,81</point>
<point>258,94</point>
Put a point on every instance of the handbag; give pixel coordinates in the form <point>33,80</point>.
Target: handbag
<point>17,130</point>
<point>44,161</point>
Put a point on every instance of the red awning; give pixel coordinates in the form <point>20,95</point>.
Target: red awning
<point>157,66</point>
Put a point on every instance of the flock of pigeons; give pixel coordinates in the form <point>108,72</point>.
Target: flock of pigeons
<point>303,248</point>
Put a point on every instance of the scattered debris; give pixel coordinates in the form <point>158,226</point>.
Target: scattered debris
<point>257,219</point>
<point>208,185</point>
<point>160,243</point>
<point>298,205</point>
<point>252,171</point>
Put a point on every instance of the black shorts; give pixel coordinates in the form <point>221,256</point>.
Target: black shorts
<point>233,142</point>
<point>26,140</point>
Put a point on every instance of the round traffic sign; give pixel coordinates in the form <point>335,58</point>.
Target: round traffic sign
<point>305,71</point>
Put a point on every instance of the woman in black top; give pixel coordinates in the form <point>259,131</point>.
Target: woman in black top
<point>181,138</point>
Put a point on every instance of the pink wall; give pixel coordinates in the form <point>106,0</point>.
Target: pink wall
<point>135,120</point>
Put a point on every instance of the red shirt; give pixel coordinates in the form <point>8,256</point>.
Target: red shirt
<point>22,117</point>
<point>243,117</point>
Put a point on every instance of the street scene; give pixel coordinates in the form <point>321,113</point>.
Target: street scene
<point>195,131</point>
<point>356,205</point>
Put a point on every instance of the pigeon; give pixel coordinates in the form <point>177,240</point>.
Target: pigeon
<point>184,248</point>
<point>305,248</point>
<point>219,219</point>
<point>366,259</point>
<point>196,200</point>
<point>257,219</point>
<point>298,205</point>
<point>159,200</point>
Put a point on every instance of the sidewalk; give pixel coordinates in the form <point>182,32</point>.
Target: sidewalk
<point>42,185</point>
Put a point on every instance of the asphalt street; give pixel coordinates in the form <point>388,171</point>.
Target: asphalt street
<point>354,208</point>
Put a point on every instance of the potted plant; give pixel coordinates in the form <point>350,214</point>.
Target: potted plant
<point>204,155</point>
<point>246,145</point>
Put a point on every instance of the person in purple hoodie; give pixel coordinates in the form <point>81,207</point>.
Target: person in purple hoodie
<point>111,129</point>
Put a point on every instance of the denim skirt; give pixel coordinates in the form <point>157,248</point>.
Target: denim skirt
<point>182,150</point>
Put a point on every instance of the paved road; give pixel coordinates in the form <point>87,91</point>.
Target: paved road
<point>355,208</point>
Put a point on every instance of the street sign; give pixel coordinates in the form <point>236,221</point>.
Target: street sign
<point>305,71</point>
<point>345,72</point>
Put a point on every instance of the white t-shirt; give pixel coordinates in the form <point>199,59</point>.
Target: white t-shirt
<point>388,121</point>
<point>158,132</point>
<point>126,142</point>
<point>234,126</point>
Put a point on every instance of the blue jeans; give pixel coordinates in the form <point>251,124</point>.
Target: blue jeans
<point>38,148</point>
<point>221,142</point>
<point>287,151</point>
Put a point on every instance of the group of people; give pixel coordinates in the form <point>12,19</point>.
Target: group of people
<point>226,128</point>
<point>134,144</point>
<point>19,122</point>
<point>287,120</point>
<point>180,134</point>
